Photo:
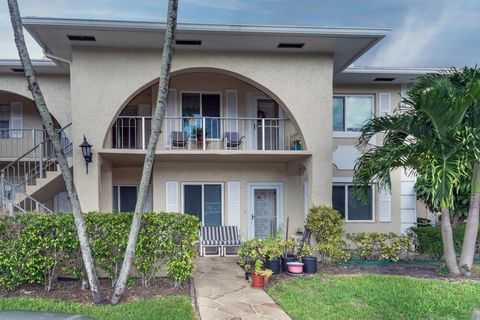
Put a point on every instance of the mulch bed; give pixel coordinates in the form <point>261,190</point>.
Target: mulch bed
<point>71,290</point>
<point>416,270</point>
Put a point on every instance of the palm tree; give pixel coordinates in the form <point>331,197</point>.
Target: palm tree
<point>426,138</point>
<point>47,121</point>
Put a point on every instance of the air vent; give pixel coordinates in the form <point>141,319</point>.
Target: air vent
<point>384,79</point>
<point>189,42</point>
<point>17,69</point>
<point>81,38</point>
<point>291,45</point>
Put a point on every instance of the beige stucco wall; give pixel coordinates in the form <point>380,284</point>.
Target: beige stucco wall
<point>244,172</point>
<point>104,80</point>
<point>55,88</point>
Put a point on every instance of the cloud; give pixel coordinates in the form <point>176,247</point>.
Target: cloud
<point>424,32</point>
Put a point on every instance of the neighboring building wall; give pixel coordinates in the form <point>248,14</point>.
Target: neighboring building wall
<point>55,88</point>
<point>104,80</point>
<point>402,211</point>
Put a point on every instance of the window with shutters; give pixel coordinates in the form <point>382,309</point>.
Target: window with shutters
<point>352,209</point>
<point>351,112</point>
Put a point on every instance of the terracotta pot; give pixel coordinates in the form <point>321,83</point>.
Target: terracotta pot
<point>295,267</point>
<point>258,281</point>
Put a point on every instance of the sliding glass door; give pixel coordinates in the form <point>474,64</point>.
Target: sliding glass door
<point>204,200</point>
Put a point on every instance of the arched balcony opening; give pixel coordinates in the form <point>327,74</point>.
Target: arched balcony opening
<point>207,110</point>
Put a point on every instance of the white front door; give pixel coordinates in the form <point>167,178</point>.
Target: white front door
<point>265,209</point>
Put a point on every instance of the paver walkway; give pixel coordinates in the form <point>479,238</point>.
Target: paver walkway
<point>223,293</point>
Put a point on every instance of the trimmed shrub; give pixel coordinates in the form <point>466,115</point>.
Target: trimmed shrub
<point>380,246</point>
<point>326,225</point>
<point>34,247</point>
<point>428,240</point>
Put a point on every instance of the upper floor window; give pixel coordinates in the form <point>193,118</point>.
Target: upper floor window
<point>351,112</point>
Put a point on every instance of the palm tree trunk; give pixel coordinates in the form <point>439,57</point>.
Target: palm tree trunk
<point>62,160</point>
<point>157,123</point>
<point>471,230</point>
<point>447,239</point>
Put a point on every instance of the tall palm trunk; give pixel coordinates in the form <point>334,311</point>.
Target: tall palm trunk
<point>157,123</point>
<point>471,229</point>
<point>447,239</point>
<point>62,160</point>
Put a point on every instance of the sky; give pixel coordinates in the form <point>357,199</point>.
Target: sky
<point>424,33</point>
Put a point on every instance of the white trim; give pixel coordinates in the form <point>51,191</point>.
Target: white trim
<point>171,186</point>
<point>352,134</point>
<point>234,203</point>
<point>346,184</point>
<point>200,183</point>
<point>342,180</point>
<point>251,186</point>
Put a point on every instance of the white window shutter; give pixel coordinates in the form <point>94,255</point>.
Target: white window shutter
<point>171,111</point>
<point>385,206</point>
<point>171,198</point>
<point>16,123</point>
<point>233,199</point>
<point>231,110</point>
<point>384,103</point>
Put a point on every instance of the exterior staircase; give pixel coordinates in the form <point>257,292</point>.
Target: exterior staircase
<point>34,177</point>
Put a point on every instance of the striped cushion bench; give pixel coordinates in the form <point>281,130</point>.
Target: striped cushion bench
<point>219,237</point>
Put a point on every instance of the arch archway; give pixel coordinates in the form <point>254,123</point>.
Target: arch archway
<point>253,87</point>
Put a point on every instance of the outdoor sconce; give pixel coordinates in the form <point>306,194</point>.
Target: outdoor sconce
<point>86,151</point>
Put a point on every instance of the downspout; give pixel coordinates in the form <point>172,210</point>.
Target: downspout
<point>53,57</point>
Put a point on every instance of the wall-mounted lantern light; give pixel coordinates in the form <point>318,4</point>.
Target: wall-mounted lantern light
<point>86,151</point>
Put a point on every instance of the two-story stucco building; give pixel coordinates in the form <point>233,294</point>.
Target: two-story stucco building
<point>261,122</point>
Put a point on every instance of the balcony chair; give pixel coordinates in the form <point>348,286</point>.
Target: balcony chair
<point>178,139</point>
<point>220,238</point>
<point>232,140</point>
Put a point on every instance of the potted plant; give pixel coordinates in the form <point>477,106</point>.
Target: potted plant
<point>272,252</point>
<point>289,254</point>
<point>305,254</point>
<point>198,133</point>
<point>259,275</point>
<point>248,253</point>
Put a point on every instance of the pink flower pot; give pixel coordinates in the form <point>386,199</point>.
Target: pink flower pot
<point>295,267</point>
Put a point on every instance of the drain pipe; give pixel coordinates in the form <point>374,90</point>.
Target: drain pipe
<point>53,57</point>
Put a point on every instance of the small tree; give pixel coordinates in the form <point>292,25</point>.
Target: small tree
<point>157,124</point>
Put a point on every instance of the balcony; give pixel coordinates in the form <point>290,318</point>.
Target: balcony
<point>15,142</point>
<point>207,134</point>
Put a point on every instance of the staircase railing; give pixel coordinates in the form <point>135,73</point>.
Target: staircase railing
<point>32,165</point>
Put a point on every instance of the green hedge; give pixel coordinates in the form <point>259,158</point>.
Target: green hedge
<point>429,240</point>
<point>34,248</point>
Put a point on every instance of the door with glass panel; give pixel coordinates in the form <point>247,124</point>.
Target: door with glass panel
<point>205,201</point>
<point>265,210</point>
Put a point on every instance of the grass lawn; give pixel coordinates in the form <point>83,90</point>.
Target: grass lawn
<point>376,297</point>
<point>171,307</point>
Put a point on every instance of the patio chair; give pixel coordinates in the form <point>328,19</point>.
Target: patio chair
<point>232,140</point>
<point>178,139</point>
<point>220,238</point>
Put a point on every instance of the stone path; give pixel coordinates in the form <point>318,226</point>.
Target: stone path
<point>223,293</point>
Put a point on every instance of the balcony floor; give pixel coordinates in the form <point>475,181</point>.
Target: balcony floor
<point>135,156</point>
